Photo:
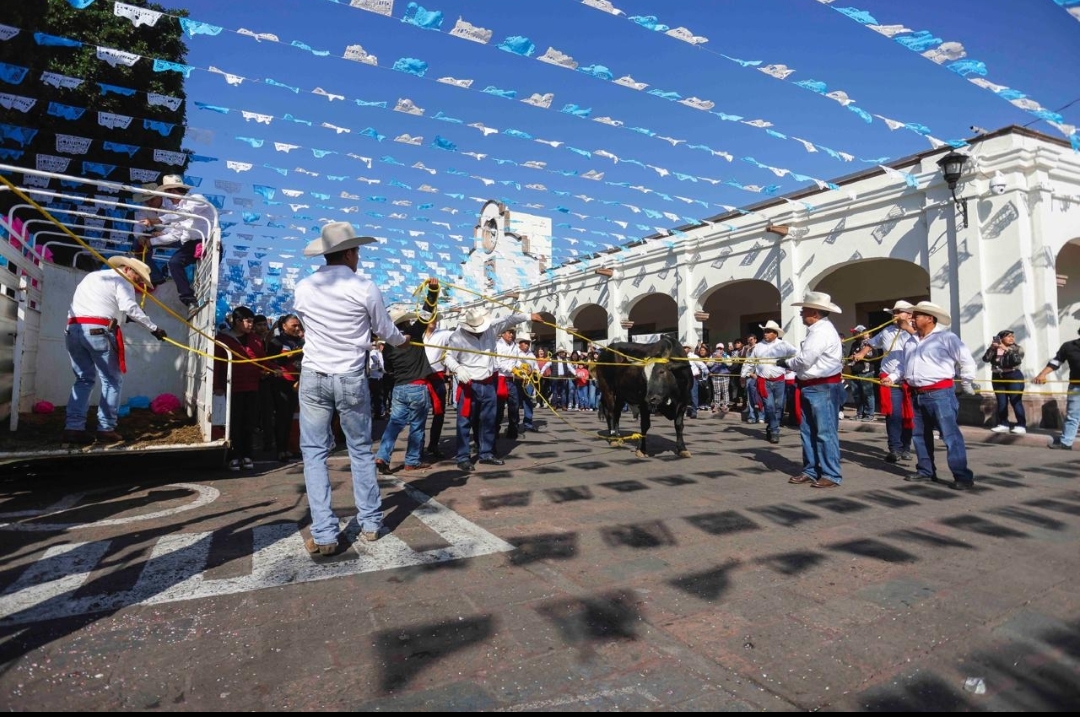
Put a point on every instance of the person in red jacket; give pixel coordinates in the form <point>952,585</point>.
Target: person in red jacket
<point>239,342</point>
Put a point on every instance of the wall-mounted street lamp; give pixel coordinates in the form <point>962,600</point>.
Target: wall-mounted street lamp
<point>952,168</point>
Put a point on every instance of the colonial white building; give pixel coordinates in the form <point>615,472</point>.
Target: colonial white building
<point>1014,264</point>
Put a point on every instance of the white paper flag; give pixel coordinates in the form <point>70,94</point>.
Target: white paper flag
<point>338,130</point>
<point>60,81</point>
<point>143,175</point>
<point>536,164</point>
<point>259,36</point>
<point>467,31</point>
<point>423,168</point>
<point>889,30</point>
<point>286,148</point>
<point>260,118</point>
<point>232,79</point>
<point>604,5</point>
<point>166,157</point>
<point>69,144</point>
<point>540,100</point>
<point>409,139</point>
<point>328,95</point>
<point>292,193</point>
<point>7,32</point>
<point>681,33</point>
<point>137,15</point>
<point>117,57</point>
<point>381,7</point>
<point>486,130</point>
<point>365,160</point>
<point>357,53</point>
<point>113,121</point>
<point>157,100</point>
<point>609,121</point>
<point>464,84</point>
<point>33,180</point>
<point>408,107</point>
<point>780,72</point>
<point>49,163</point>
<point>16,102</point>
<point>697,103</point>
<point>630,82</point>
<point>559,59</point>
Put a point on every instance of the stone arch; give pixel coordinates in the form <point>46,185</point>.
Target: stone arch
<point>653,314</point>
<point>863,288</point>
<point>544,333</point>
<point>1067,268</point>
<point>736,308</point>
<point>590,321</point>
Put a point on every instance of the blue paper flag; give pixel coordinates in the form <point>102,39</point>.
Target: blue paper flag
<point>320,153</point>
<point>128,149</point>
<point>858,15</point>
<point>99,169</point>
<point>862,113</point>
<point>162,128</point>
<point>52,40</point>
<point>517,133</point>
<point>193,28</point>
<point>671,96</point>
<point>166,66</point>
<point>11,155</point>
<point>968,67</point>
<point>275,83</point>
<point>370,132</point>
<point>264,191</point>
<point>597,71</point>
<point>202,158</point>
<point>813,86</point>
<point>22,135</point>
<point>304,46</point>
<point>297,120</point>
<point>211,108</point>
<point>443,143</point>
<point>582,152</point>
<point>124,91</point>
<point>218,200</point>
<point>12,74</point>
<point>506,94</point>
<point>919,42</point>
<point>411,66</point>
<point>572,109</point>
<point>518,45</point>
<point>424,19</point>
<point>253,141</point>
<point>649,22</point>
<point>65,111</point>
<point>362,103</point>
<point>280,170</point>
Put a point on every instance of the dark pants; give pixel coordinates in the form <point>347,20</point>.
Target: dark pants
<point>738,392</point>
<point>242,417</point>
<point>482,413</point>
<point>178,264</point>
<point>511,405</point>
<point>937,409</point>
<point>378,399</point>
<point>899,437</point>
<point>524,392</point>
<point>437,419</point>
<point>1003,385</point>
<point>286,404</point>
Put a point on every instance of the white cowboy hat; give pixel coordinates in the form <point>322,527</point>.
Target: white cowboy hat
<point>399,314</point>
<point>818,300</point>
<point>336,236</point>
<point>475,320</point>
<point>172,181</point>
<point>524,339</point>
<point>140,268</point>
<point>900,305</point>
<point>931,309</point>
<point>144,198</point>
<point>771,325</point>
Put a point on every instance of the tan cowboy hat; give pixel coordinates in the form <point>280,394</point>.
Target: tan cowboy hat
<point>900,305</point>
<point>475,320</point>
<point>144,198</point>
<point>771,325</point>
<point>931,309</point>
<point>336,236</point>
<point>140,268</point>
<point>398,314</point>
<point>818,300</point>
<point>172,181</point>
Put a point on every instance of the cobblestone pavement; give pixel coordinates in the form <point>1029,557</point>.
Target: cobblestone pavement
<point>575,577</point>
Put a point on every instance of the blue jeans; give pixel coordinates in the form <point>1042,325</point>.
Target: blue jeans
<point>320,394</point>
<point>937,410</point>
<point>819,431</point>
<point>181,259</point>
<point>91,355</point>
<point>692,409</point>
<point>560,388</point>
<point>899,437</point>
<point>753,400</point>
<point>525,398</point>
<point>483,408</point>
<point>1004,386</point>
<point>408,407</point>
<point>774,405</point>
<point>1072,417</point>
<point>590,393</point>
<point>862,393</point>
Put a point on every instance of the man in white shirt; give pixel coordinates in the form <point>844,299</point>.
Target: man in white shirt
<point>435,341</point>
<point>817,368</point>
<point>770,377</point>
<point>95,344</point>
<point>469,357</point>
<point>149,221</point>
<point>188,231</point>
<point>524,387</point>
<point>339,311</point>
<point>506,391</point>
<point>929,368</point>
<point>895,400</point>
<point>748,378</point>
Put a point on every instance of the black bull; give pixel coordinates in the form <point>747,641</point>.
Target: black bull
<point>624,374</point>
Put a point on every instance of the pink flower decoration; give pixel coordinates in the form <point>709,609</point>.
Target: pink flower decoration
<point>165,403</point>
<point>43,407</point>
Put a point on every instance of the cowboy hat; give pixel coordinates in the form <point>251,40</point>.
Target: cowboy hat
<point>335,237</point>
<point>475,320</point>
<point>900,305</point>
<point>399,314</point>
<point>144,198</point>
<point>858,329</point>
<point>771,325</point>
<point>116,262</point>
<point>172,181</point>
<point>818,300</point>
<point>524,340</point>
<point>931,309</point>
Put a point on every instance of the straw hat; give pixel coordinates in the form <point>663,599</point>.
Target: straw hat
<point>140,268</point>
<point>336,236</point>
<point>475,320</point>
<point>399,314</point>
<point>770,325</point>
<point>818,300</point>
<point>900,305</point>
<point>144,198</point>
<point>931,309</point>
<point>172,181</point>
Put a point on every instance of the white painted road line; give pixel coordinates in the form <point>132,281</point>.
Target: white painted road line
<point>540,705</point>
<point>175,568</point>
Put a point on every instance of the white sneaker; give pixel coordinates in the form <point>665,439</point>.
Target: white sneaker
<point>1019,430</point>
<point>1000,429</point>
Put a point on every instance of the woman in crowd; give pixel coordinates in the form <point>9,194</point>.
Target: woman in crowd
<point>718,374</point>
<point>705,391</point>
<point>1005,357</point>
<point>543,366</point>
<point>288,336</point>
<point>238,342</point>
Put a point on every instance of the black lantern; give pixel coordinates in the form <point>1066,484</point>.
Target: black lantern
<point>952,168</point>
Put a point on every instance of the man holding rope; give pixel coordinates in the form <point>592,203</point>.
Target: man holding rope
<point>1069,353</point>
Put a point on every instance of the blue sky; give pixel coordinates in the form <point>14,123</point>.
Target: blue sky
<point>1032,47</point>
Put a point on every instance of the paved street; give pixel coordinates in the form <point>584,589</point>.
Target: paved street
<point>577,577</point>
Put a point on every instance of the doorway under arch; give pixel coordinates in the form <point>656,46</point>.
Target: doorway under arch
<point>590,321</point>
<point>654,314</point>
<point>736,309</point>
<point>1067,268</point>
<point>863,289</point>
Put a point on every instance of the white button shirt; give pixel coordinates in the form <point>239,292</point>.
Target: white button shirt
<point>339,309</point>
<point>528,358</point>
<point>105,295</point>
<point>821,353</point>
<point>508,357</point>
<point>775,349</point>
<point>935,358</point>
<point>436,348</point>
<point>892,340</point>
<point>177,228</point>
<point>478,366</point>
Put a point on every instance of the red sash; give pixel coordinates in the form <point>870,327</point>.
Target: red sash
<point>803,383</point>
<point>946,383</point>
<point>437,407</point>
<point>907,410</point>
<point>502,391</point>
<point>105,322</point>
<point>761,386</point>
<point>465,395</point>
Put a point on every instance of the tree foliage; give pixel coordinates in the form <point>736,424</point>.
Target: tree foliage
<point>95,25</point>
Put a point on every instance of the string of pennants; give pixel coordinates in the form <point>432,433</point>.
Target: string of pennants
<point>952,56</point>
<point>419,17</point>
